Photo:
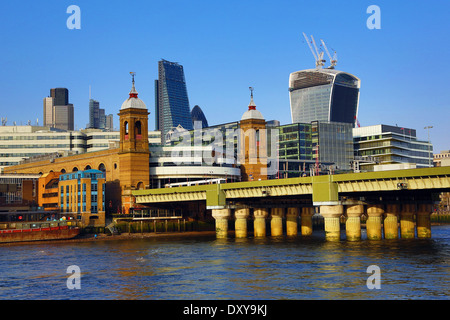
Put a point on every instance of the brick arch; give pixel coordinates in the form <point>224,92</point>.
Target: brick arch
<point>101,166</point>
<point>63,170</point>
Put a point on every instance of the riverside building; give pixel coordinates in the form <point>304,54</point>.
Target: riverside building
<point>384,147</point>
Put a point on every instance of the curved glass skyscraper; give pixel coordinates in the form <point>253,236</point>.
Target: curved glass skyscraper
<point>198,115</point>
<point>171,98</point>
<point>324,95</point>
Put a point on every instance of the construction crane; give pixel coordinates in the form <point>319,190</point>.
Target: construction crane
<point>318,56</point>
<point>333,60</point>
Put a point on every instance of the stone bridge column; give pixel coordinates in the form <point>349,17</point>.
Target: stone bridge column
<point>292,222</point>
<point>306,221</point>
<point>259,223</point>
<point>276,222</point>
<point>407,230</point>
<point>424,211</point>
<point>332,216</point>
<point>221,216</point>
<point>240,224</point>
<point>390,222</point>
<point>373,223</point>
<point>353,222</point>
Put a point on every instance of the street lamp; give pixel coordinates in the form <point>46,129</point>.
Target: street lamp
<point>429,145</point>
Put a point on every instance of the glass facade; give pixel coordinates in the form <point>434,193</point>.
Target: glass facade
<point>311,104</point>
<point>323,95</point>
<point>172,103</point>
<point>335,144</point>
<point>302,146</point>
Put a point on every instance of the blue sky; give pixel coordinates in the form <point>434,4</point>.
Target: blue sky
<point>225,47</point>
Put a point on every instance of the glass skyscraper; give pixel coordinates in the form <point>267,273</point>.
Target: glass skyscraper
<point>324,95</point>
<point>171,98</point>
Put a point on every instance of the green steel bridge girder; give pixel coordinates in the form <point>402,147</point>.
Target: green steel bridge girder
<point>325,189</point>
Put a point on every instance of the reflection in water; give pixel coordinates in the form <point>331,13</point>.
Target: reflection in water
<point>249,268</point>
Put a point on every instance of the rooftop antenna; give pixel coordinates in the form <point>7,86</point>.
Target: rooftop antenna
<point>333,60</point>
<point>4,121</point>
<point>90,95</point>
<point>317,56</point>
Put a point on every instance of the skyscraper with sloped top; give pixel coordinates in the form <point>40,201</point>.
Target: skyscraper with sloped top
<point>171,98</point>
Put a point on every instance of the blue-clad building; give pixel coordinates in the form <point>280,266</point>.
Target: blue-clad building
<point>83,193</point>
<point>171,98</point>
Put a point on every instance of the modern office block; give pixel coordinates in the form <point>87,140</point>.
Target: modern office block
<point>324,95</point>
<point>60,96</point>
<point>63,117</point>
<point>83,192</point>
<point>382,147</point>
<point>48,111</point>
<point>58,112</point>
<point>198,115</point>
<point>172,103</point>
<point>94,120</point>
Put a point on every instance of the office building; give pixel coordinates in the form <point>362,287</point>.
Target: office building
<point>48,191</point>
<point>171,98</point>
<point>94,120</point>
<point>442,159</point>
<point>48,111</point>
<point>312,148</point>
<point>83,193</point>
<point>98,118</point>
<point>109,124</point>
<point>58,112</point>
<point>60,96</point>
<point>18,191</point>
<point>324,95</point>
<point>19,143</point>
<point>198,115</point>
<point>383,147</point>
<point>63,117</point>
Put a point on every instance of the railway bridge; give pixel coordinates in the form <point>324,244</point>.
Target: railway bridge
<point>397,203</point>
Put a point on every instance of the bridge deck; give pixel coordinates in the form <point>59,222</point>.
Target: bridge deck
<point>323,189</point>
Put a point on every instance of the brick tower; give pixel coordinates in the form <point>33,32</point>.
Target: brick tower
<point>253,144</point>
<point>134,152</point>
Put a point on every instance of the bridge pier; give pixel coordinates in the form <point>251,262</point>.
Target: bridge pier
<point>259,224</point>
<point>276,222</point>
<point>353,222</point>
<point>390,222</point>
<point>292,222</point>
<point>240,225</point>
<point>221,216</point>
<point>423,220</point>
<point>332,214</point>
<point>373,223</point>
<point>306,221</point>
<point>407,229</point>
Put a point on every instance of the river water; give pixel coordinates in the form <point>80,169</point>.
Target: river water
<point>180,268</point>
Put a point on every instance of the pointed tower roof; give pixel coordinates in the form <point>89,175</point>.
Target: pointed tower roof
<point>252,113</point>
<point>133,101</point>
